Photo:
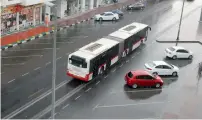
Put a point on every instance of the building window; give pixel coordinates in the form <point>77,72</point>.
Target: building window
<point>37,15</point>
<point>8,23</point>
<point>26,18</point>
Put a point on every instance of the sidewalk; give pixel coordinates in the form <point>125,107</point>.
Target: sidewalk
<point>31,34</point>
<point>191,30</point>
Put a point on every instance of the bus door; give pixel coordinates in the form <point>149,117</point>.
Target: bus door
<point>130,44</point>
<point>95,66</point>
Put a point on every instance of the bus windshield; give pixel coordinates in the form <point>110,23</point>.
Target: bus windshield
<point>78,61</point>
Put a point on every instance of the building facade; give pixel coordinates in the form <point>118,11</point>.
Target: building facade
<point>17,15</point>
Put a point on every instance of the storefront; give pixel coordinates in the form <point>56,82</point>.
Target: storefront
<point>8,20</point>
<point>29,16</point>
<point>17,17</point>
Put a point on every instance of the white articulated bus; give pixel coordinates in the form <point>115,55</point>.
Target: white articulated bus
<point>97,57</point>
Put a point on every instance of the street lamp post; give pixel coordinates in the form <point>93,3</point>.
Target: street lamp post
<point>178,34</point>
<point>54,65</point>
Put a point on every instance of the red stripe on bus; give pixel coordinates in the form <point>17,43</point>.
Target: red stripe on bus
<point>86,78</point>
<point>138,41</point>
<point>102,65</point>
<point>114,57</point>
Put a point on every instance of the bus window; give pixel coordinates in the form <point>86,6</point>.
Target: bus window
<point>142,33</point>
<point>77,61</point>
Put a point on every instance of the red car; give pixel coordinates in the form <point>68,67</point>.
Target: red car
<point>142,78</point>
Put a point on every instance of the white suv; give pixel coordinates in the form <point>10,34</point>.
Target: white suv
<point>178,52</point>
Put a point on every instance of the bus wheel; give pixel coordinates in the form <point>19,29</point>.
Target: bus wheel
<point>102,71</point>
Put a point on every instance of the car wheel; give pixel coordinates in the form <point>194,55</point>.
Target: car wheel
<point>158,85</point>
<point>134,86</point>
<point>114,19</point>
<point>100,19</point>
<point>155,73</point>
<point>174,74</point>
<point>174,57</point>
<point>190,57</point>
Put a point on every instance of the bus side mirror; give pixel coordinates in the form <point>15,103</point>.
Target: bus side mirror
<point>70,61</point>
<point>150,28</point>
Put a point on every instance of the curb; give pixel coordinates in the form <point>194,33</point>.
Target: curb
<point>45,33</point>
<point>159,41</point>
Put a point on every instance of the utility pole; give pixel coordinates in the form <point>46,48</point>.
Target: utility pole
<point>178,34</point>
<point>54,65</point>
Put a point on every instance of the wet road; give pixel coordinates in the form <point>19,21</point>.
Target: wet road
<point>34,58</point>
<point>110,98</point>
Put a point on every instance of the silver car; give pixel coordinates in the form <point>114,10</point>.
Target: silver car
<point>136,6</point>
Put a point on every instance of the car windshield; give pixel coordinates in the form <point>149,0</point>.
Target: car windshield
<point>152,75</point>
<point>130,74</point>
<point>152,64</point>
<point>102,13</point>
<point>171,49</point>
<point>115,11</point>
<point>171,65</point>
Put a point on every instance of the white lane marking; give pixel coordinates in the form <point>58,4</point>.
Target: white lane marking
<point>23,56</point>
<point>127,61</point>
<point>125,105</point>
<point>35,100</point>
<point>37,68</point>
<point>88,89</point>
<point>30,49</point>
<point>133,56</point>
<point>65,106</point>
<point>133,91</point>
<point>50,48</point>
<point>55,114</point>
<point>65,42</point>
<point>13,64</point>
<point>48,63</point>
<point>58,58</point>
<point>106,76</point>
<point>139,52</point>
<point>35,93</point>
<point>60,101</point>
<point>77,97</point>
<point>75,37</point>
<point>97,83</point>
<point>121,65</point>
<point>25,74</point>
<point>40,43</point>
<point>11,81</point>
<point>2,73</point>
<point>95,106</point>
<point>114,70</point>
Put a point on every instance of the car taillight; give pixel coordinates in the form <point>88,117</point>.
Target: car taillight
<point>149,68</point>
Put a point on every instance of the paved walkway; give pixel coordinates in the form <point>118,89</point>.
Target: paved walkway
<point>191,30</point>
<point>10,41</point>
<point>186,102</point>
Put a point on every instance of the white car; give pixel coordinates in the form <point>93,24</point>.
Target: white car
<point>107,16</point>
<point>178,52</point>
<point>161,68</point>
